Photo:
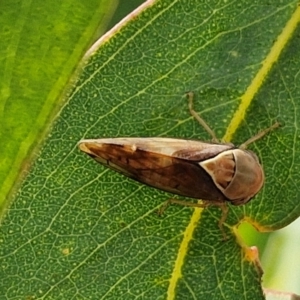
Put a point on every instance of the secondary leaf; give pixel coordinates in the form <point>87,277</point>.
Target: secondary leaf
<point>42,44</point>
<point>78,230</point>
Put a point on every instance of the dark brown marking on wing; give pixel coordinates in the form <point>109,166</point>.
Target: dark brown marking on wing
<point>171,174</point>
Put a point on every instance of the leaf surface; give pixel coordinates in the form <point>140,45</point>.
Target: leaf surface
<point>76,229</point>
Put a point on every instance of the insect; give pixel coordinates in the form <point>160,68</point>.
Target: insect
<point>215,172</point>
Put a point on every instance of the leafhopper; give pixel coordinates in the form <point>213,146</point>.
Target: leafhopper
<point>214,172</point>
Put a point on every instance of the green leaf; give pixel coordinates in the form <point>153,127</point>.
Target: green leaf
<point>42,44</point>
<point>78,230</point>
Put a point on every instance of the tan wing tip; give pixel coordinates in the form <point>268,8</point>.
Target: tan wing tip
<point>83,145</point>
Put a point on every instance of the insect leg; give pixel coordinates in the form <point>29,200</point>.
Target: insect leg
<point>205,204</point>
<point>224,208</point>
<point>183,203</point>
<point>259,135</point>
<point>190,96</point>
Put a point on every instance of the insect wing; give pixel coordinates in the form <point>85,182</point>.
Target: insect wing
<point>171,165</point>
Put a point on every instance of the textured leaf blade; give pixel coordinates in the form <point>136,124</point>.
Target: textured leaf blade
<point>84,228</point>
